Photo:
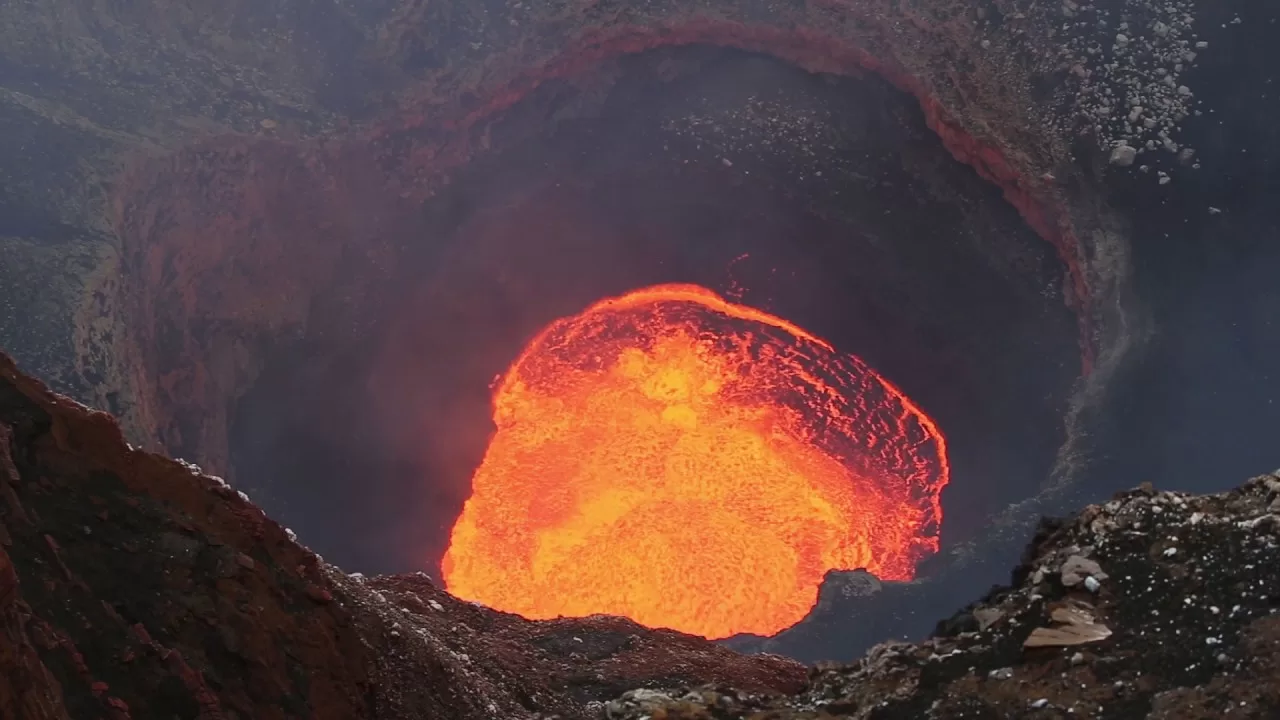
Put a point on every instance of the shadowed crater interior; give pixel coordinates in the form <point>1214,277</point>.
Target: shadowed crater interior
<point>824,200</point>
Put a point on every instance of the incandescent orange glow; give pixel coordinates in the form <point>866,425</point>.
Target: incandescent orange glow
<point>693,464</point>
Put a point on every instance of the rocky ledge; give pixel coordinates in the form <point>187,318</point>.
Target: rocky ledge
<point>133,586</point>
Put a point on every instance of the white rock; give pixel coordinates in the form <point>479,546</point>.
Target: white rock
<point>1123,155</point>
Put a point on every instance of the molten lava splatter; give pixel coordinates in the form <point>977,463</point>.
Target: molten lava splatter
<point>694,464</point>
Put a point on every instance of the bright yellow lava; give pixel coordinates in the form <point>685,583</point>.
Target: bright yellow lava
<point>694,464</point>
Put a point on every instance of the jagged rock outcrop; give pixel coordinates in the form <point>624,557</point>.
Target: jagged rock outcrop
<point>132,586</point>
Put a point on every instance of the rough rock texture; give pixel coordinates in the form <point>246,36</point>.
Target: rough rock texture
<point>134,586</point>
<point>178,184</point>
<point>1153,605</point>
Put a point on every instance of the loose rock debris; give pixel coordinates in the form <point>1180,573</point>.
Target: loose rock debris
<point>1124,67</point>
<point>1192,633</point>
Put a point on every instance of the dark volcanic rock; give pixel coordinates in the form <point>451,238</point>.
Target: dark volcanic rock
<point>134,586</point>
<point>1153,605</point>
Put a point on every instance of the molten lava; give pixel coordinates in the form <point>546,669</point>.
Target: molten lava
<point>693,464</point>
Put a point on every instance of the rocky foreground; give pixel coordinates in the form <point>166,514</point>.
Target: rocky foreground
<point>133,586</point>
<point>1153,605</point>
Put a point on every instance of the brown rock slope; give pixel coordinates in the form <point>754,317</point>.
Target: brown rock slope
<point>132,586</point>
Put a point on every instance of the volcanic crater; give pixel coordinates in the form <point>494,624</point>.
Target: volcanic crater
<point>313,280</point>
<point>315,249</point>
<point>823,199</point>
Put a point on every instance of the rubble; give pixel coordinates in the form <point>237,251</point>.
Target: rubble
<point>1188,634</point>
<point>1127,63</point>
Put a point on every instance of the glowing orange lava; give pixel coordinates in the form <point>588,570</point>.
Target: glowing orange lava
<point>693,464</point>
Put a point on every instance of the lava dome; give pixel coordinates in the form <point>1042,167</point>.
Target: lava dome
<point>694,464</point>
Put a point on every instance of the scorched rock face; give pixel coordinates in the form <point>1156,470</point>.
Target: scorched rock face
<point>694,464</point>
